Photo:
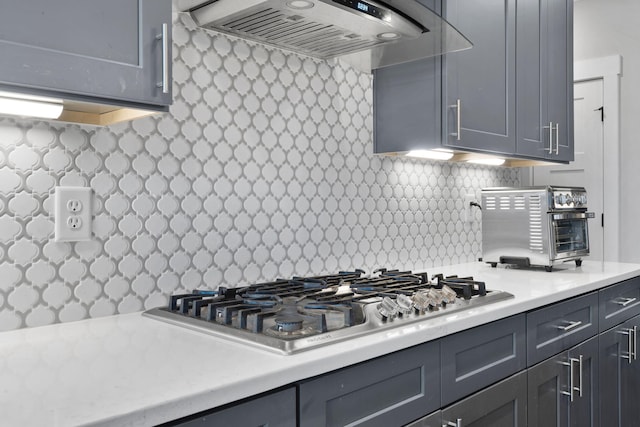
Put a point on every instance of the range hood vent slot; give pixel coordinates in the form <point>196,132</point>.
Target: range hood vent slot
<point>294,32</point>
<point>368,34</point>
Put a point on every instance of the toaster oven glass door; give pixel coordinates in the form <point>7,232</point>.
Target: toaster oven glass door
<point>570,234</point>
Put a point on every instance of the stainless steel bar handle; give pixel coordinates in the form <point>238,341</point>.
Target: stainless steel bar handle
<point>625,301</point>
<point>572,387</point>
<point>635,342</point>
<point>570,326</point>
<point>457,106</point>
<point>550,127</point>
<point>631,342</point>
<point>580,369</point>
<point>557,139</point>
<point>164,36</point>
<point>458,423</point>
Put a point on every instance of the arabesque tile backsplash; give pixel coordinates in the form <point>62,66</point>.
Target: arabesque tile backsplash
<point>263,168</point>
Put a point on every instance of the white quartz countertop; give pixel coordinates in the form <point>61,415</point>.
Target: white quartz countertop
<point>130,370</point>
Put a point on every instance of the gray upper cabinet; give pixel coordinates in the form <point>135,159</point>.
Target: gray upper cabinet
<point>510,95</point>
<point>408,104</point>
<point>88,50</point>
<point>407,107</point>
<point>480,83</point>
<point>545,79</point>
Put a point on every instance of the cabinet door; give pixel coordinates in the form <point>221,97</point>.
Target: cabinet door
<point>501,405</point>
<point>86,49</point>
<point>547,405</point>
<point>584,410</point>
<point>407,107</point>
<point>390,390</point>
<point>482,78</point>
<point>559,34</point>
<point>273,410</point>
<point>620,375</point>
<point>407,104</point>
<point>545,79</point>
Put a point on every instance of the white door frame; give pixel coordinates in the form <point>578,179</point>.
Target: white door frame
<point>609,69</point>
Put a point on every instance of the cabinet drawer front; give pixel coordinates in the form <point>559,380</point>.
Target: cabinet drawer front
<point>501,405</point>
<point>390,390</point>
<point>276,409</point>
<point>553,329</point>
<point>476,358</point>
<point>618,303</point>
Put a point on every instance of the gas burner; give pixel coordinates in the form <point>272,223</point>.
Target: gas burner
<point>288,323</point>
<point>305,312</point>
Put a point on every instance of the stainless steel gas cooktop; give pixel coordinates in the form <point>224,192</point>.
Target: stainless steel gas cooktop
<point>288,316</point>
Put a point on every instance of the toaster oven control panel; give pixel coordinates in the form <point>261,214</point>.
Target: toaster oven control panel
<point>564,199</point>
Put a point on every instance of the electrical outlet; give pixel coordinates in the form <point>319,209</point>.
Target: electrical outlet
<point>467,209</point>
<point>74,222</point>
<point>72,214</point>
<point>74,205</point>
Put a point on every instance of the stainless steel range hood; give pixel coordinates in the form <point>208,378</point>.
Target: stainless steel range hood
<point>368,34</point>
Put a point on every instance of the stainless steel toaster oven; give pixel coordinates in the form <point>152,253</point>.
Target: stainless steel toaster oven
<point>535,226</point>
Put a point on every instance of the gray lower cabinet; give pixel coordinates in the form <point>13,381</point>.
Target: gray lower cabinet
<point>388,391</point>
<point>272,410</point>
<point>480,83</point>
<point>563,390</point>
<point>620,375</point>
<point>557,327</point>
<point>478,357</point>
<point>431,420</point>
<point>502,405</point>
<point>88,50</point>
<point>619,303</point>
<point>545,79</point>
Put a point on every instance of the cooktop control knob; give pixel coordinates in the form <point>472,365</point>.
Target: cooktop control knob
<point>388,309</point>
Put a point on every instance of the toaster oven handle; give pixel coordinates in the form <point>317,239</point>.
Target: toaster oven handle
<point>574,215</point>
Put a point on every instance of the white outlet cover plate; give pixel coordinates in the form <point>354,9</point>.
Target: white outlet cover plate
<point>468,213</point>
<point>64,233</point>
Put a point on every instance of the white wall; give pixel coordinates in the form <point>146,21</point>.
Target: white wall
<point>604,28</point>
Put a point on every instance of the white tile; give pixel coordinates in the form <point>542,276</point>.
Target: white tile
<point>262,168</point>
